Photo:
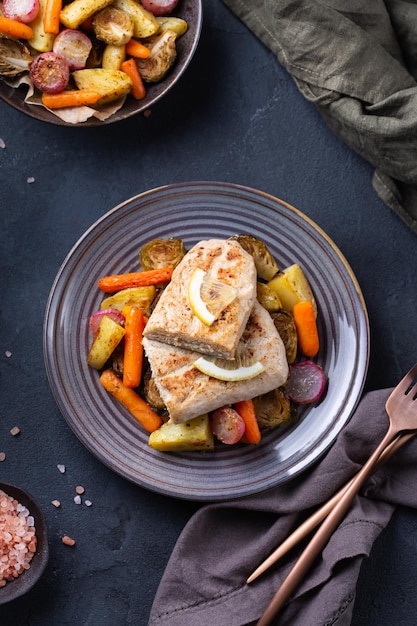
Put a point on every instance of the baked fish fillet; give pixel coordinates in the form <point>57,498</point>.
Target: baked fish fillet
<point>187,392</point>
<point>173,321</point>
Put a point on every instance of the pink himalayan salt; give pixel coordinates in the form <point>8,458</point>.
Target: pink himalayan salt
<point>69,541</point>
<point>17,538</point>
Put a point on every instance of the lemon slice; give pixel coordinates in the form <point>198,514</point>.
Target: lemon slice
<point>208,297</point>
<point>241,372</point>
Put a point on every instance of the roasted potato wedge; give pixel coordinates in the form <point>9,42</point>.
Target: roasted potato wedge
<point>113,57</point>
<point>40,40</point>
<point>145,24</point>
<point>292,286</point>
<point>108,337</point>
<point>142,297</point>
<point>176,24</point>
<point>111,84</point>
<point>193,435</point>
<point>76,12</point>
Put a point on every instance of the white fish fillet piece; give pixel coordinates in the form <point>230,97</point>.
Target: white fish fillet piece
<point>173,321</point>
<point>188,393</point>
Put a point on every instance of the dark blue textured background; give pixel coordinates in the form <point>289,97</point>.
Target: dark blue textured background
<point>234,116</point>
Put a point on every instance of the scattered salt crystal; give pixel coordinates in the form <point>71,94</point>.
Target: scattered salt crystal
<point>30,179</point>
<point>68,540</point>
<point>2,144</point>
<point>77,499</point>
<point>8,354</point>
<point>88,503</point>
<point>2,456</point>
<point>79,489</point>
<point>56,503</point>
<point>15,431</point>
<point>61,468</point>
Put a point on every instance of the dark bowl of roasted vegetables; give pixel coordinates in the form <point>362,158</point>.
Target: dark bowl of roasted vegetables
<point>93,62</point>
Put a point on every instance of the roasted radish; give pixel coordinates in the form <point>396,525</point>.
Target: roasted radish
<point>227,425</point>
<point>73,46</point>
<point>306,382</point>
<point>49,72</point>
<point>160,7</point>
<point>21,10</point>
<point>95,319</point>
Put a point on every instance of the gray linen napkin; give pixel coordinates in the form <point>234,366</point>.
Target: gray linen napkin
<point>357,61</point>
<point>204,582</point>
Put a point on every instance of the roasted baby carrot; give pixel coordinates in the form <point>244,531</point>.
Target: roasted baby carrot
<point>131,401</point>
<point>246,410</point>
<point>51,24</point>
<point>136,49</point>
<point>110,284</point>
<point>70,98</point>
<point>15,28</point>
<point>307,333</point>
<point>130,68</point>
<point>133,349</point>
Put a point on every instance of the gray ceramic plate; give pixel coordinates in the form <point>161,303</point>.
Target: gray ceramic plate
<point>189,10</point>
<point>196,211</point>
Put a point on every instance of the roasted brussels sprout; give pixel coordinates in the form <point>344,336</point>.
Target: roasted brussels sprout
<point>161,253</point>
<point>113,26</point>
<point>266,265</point>
<point>273,409</point>
<point>117,360</point>
<point>95,58</point>
<point>15,57</point>
<point>163,54</point>
<point>267,297</point>
<point>151,392</point>
<point>284,323</point>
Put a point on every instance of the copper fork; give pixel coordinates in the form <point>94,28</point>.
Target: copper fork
<point>318,516</point>
<point>401,408</point>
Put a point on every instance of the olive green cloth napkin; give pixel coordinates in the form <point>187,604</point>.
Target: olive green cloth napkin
<point>356,60</point>
<point>204,582</point>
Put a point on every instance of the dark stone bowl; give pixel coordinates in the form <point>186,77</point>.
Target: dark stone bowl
<point>189,10</point>
<point>20,585</point>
